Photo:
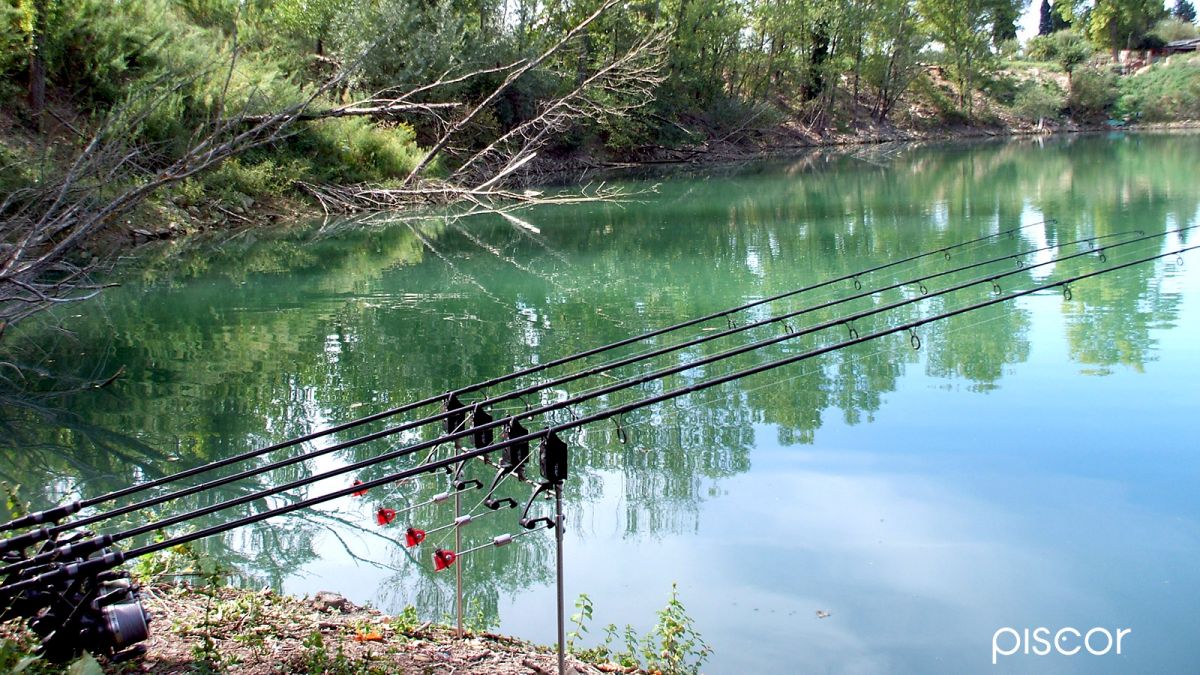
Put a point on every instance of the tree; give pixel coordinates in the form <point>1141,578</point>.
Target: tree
<point>37,59</point>
<point>1046,20</point>
<point>1061,17</point>
<point>894,39</point>
<point>1118,24</point>
<point>1004,15</point>
<point>1184,11</point>
<point>962,28</point>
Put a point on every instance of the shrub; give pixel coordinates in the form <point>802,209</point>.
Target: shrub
<point>352,150</point>
<point>1036,101</point>
<point>1067,48</point>
<point>237,177</point>
<point>1093,93</point>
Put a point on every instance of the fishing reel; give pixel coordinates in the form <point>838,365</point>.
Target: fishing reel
<point>77,603</point>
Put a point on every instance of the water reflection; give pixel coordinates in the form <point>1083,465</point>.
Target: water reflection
<point>231,346</point>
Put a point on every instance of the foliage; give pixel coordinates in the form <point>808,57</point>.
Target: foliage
<point>1067,48</point>
<point>238,180</point>
<point>1037,100</point>
<point>1184,10</point>
<point>317,659</point>
<point>1167,91</point>
<point>940,98</point>
<point>1172,29</point>
<point>1093,93</point>
<point>407,621</point>
<point>16,28</point>
<point>581,618</point>
<point>1117,24</point>
<point>673,646</point>
<point>961,27</point>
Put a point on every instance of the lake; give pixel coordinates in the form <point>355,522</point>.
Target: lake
<point>879,509</point>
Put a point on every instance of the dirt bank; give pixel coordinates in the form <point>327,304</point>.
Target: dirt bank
<point>260,632</point>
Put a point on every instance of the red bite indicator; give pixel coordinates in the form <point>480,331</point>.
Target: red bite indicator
<point>413,536</point>
<point>443,559</point>
<point>385,516</point>
<point>358,493</point>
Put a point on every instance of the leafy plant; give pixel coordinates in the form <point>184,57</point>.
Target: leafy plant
<point>407,621</point>
<point>584,604</point>
<point>317,659</point>
<point>673,646</point>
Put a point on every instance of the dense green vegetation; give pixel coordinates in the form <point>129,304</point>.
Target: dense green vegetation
<point>731,69</point>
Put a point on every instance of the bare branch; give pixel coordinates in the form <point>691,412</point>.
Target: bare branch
<point>512,77</point>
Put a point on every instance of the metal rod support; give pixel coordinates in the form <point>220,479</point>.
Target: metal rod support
<point>559,523</point>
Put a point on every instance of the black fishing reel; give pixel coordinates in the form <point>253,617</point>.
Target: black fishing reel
<point>77,604</point>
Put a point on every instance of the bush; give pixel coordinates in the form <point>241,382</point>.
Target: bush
<point>1067,48</point>
<point>1036,101</point>
<point>1168,91</point>
<point>352,150</point>
<point>1093,94</point>
<point>237,178</point>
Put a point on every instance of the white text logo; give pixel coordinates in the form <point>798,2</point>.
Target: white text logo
<point>1067,641</point>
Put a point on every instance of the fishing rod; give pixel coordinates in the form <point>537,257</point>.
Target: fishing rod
<point>57,513</point>
<point>103,541</point>
<point>456,420</point>
<point>116,557</point>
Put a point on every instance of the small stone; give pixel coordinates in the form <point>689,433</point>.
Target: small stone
<point>328,602</point>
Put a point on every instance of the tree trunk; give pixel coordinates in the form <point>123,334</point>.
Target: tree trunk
<point>37,63</point>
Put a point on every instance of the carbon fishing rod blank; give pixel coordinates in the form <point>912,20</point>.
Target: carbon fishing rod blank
<point>629,383</point>
<point>52,515</point>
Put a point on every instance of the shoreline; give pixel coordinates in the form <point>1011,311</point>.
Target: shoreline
<point>172,222</point>
<point>251,632</point>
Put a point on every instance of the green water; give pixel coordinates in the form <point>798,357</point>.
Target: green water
<point>1032,464</point>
